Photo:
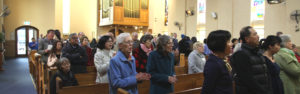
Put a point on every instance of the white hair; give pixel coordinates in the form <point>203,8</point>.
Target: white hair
<point>71,35</point>
<point>197,44</point>
<point>134,34</point>
<point>121,37</point>
<point>284,38</point>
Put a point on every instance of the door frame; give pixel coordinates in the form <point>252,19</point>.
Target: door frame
<point>27,27</point>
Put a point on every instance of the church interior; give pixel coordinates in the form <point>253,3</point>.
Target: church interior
<point>23,20</point>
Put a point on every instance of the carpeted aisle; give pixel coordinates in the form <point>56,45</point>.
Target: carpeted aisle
<point>15,79</point>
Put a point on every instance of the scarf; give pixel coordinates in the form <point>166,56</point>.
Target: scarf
<point>145,49</point>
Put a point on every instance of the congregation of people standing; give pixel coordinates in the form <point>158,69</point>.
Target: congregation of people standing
<point>230,65</point>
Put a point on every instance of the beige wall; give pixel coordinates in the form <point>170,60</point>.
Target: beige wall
<point>241,16</point>
<point>278,19</point>
<point>176,14</point>
<point>191,21</point>
<point>157,16</point>
<point>83,17</point>
<point>232,16</point>
<point>58,14</point>
<point>39,12</point>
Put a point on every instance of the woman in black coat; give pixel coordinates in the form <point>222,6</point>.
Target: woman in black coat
<point>217,78</point>
<point>271,45</point>
<point>64,74</point>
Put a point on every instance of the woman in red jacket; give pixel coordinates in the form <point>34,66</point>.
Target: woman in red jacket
<point>141,53</point>
<point>296,52</point>
<point>84,44</point>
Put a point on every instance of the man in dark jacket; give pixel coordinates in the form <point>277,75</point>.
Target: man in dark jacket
<point>249,68</point>
<point>75,54</point>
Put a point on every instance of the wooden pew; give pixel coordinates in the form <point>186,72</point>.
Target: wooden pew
<point>184,82</point>
<point>90,69</point>
<point>144,87</point>
<point>30,61</point>
<point>86,89</point>
<point>183,60</point>
<point>188,81</point>
<point>183,63</point>
<point>190,91</point>
<point>86,78</point>
<point>83,79</point>
<point>87,81</point>
<point>42,85</point>
<point>102,88</point>
<point>42,74</point>
<point>181,70</point>
<point>37,72</point>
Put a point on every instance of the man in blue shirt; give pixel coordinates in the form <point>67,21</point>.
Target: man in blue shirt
<point>206,49</point>
<point>33,45</point>
<point>122,71</point>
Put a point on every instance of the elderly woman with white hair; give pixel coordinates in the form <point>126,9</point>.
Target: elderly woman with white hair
<point>122,70</point>
<point>290,68</point>
<point>196,59</point>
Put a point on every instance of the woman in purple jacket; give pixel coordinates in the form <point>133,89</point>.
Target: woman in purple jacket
<point>217,78</point>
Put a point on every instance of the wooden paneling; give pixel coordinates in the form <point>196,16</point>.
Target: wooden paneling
<point>118,13</point>
<point>144,16</point>
<point>131,21</point>
<point>10,47</point>
<point>119,18</point>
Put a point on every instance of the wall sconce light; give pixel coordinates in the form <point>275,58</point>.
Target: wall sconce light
<point>214,15</point>
<point>189,12</point>
<point>135,27</point>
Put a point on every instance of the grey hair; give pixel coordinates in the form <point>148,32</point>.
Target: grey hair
<point>197,44</point>
<point>285,39</point>
<point>71,35</point>
<point>61,61</point>
<point>161,44</point>
<point>121,38</point>
<point>134,34</point>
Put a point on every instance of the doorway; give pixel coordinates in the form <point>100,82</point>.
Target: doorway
<point>23,37</point>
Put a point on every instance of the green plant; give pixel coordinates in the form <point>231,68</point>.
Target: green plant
<point>2,37</point>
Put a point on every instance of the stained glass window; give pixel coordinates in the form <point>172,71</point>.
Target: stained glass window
<point>201,19</point>
<point>166,12</point>
<point>257,9</point>
<point>257,16</point>
<point>201,7</point>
